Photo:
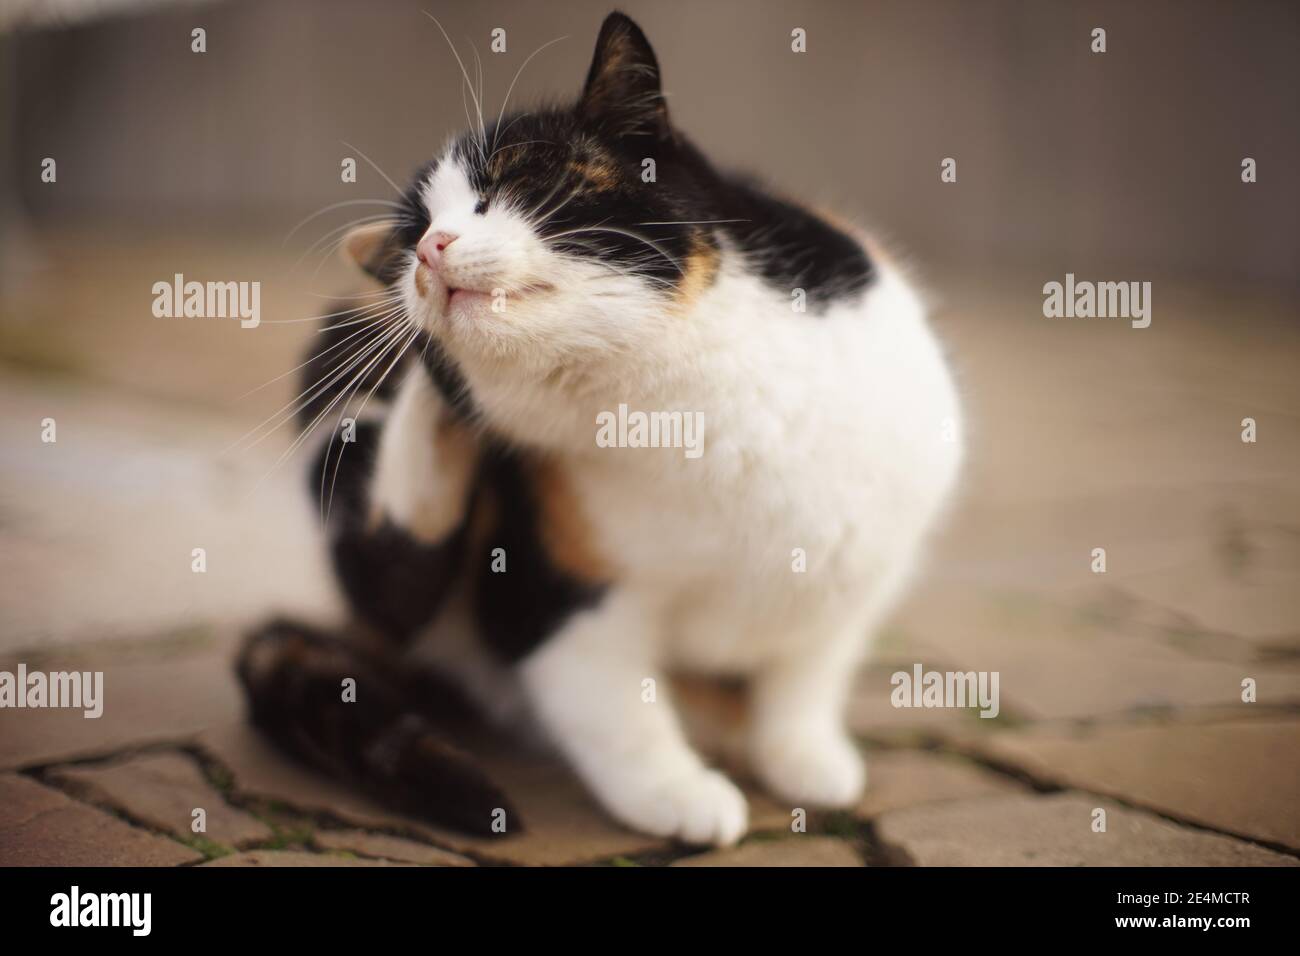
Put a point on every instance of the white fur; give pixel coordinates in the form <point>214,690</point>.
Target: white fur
<point>829,433</point>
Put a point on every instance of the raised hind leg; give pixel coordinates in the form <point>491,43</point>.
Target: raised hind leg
<point>347,713</point>
<point>399,490</point>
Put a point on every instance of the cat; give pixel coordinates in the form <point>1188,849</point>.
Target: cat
<point>545,270</point>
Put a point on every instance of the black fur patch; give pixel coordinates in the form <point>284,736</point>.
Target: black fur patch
<point>791,248</point>
<point>447,377</point>
<point>517,609</point>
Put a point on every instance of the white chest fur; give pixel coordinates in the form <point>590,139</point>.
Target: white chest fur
<point>829,444</point>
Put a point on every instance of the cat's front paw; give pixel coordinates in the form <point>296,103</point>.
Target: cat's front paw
<point>823,770</point>
<point>700,806</point>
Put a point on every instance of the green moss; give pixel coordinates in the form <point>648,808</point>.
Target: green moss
<point>290,837</point>
<point>211,849</point>
<point>842,824</point>
<point>221,778</point>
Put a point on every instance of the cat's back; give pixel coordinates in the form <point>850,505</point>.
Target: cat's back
<point>835,366</point>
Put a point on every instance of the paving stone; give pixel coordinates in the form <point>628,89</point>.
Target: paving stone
<point>791,851</point>
<point>871,713</point>
<point>145,702</point>
<point>1241,530</point>
<point>39,826</point>
<point>897,779</point>
<point>1093,431</point>
<point>1056,662</point>
<point>162,790</point>
<point>1241,776</point>
<point>1127,613</point>
<point>386,847</point>
<point>1043,544</point>
<point>1055,830</point>
<point>1240,578</point>
<point>295,858</point>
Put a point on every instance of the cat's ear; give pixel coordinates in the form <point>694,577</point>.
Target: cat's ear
<point>623,91</point>
<point>371,247</point>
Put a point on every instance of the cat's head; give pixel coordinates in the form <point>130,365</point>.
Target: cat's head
<point>553,233</point>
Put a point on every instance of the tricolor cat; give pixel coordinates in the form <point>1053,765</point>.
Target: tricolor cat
<point>539,280</point>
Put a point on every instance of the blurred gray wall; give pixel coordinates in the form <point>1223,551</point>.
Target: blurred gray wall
<point>1127,161</point>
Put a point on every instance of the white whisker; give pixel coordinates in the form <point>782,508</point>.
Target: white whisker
<point>463,72</point>
<point>319,355</point>
<point>375,166</point>
<point>387,293</point>
<point>505,102</point>
<point>621,232</point>
<point>339,205</point>
<point>415,332</point>
<point>691,222</point>
<point>378,351</point>
<point>298,403</point>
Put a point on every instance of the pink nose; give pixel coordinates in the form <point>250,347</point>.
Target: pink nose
<point>431,246</point>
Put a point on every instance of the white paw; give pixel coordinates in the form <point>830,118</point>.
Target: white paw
<point>700,806</point>
<point>823,770</point>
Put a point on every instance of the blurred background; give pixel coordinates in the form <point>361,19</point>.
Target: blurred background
<point>1120,166</point>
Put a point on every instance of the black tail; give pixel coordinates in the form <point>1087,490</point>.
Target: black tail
<point>383,741</point>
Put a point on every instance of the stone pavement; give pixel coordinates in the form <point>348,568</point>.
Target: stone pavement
<point>1121,693</point>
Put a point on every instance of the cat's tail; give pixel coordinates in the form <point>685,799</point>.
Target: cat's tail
<point>342,711</point>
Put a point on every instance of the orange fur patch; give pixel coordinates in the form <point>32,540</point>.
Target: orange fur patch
<point>562,527</point>
<point>483,520</point>
<point>601,175</point>
<point>698,272</point>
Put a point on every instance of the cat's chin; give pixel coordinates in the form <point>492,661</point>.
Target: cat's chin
<point>466,298</point>
<point>459,304</point>
<point>466,307</point>
<point>463,316</point>
<point>475,307</point>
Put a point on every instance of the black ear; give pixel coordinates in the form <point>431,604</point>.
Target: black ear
<point>622,91</point>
